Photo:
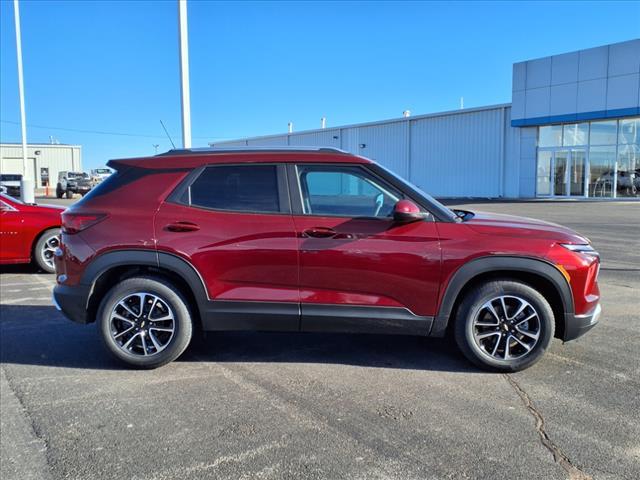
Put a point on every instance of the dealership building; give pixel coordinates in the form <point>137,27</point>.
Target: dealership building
<point>572,130</point>
<point>44,161</point>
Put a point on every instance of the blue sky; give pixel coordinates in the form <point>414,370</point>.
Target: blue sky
<point>113,66</point>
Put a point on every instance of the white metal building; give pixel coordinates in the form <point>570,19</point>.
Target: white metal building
<point>572,130</point>
<point>44,161</point>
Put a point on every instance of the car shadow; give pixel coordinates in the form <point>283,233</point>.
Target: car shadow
<point>41,336</point>
<point>20,268</point>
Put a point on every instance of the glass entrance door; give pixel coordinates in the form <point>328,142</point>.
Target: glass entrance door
<point>561,172</point>
<point>560,164</point>
<point>577,173</point>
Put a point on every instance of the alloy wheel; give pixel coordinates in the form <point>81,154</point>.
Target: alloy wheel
<point>48,250</point>
<point>142,324</point>
<point>506,327</point>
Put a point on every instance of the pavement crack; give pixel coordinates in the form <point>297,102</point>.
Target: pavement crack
<point>561,458</point>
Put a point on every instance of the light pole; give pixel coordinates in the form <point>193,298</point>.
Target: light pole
<point>184,74</point>
<point>26,184</point>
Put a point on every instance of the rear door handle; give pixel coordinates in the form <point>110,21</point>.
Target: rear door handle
<point>319,232</point>
<point>182,227</point>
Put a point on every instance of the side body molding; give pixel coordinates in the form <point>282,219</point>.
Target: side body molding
<point>504,264</point>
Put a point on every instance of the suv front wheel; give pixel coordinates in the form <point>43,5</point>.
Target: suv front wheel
<point>145,322</point>
<point>504,325</point>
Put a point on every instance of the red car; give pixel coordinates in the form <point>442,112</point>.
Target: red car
<point>311,240</point>
<point>28,233</point>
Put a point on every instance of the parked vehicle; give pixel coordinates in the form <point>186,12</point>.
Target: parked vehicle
<point>312,240</point>
<point>99,174</point>
<point>11,184</point>
<point>72,182</point>
<point>28,233</point>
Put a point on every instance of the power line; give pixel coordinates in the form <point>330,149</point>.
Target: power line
<point>102,132</point>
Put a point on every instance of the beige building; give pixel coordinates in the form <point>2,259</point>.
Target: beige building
<point>44,161</point>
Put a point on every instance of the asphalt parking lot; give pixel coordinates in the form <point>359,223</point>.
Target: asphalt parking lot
<point>295,406</point>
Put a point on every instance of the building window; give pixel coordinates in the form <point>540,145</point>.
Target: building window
<point>628,171</point>
<point>596,159</point>
<point>550,136</point>
<point>603,133</point>
<point>602,161</point>
<point>575,134</point>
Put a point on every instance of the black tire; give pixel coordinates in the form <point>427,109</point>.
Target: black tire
<point>44,248</point>
<point>474,318</point>
<point>177,306</point>
<point>59,191</point>
<point>69,194</point>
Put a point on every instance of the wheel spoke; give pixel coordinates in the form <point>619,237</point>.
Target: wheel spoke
<point>161,329</point>
<point>526,319</point>
<point>504,307</point>
<point>153,305</point>
<point>489,306</point>
<point>126,345</point>
<point>495,347</point>
<point>144,345</point>
<point>507,355</point>
<point>126,307</point>
<point>120,317</point>
<point>123,332</point>
<point>534,335</point>
<point>155,342</point>
<point>480,336</point>
<point>162,319</point>
<point>522,306</point>
<point>526,346</point>
<point>141,297</point>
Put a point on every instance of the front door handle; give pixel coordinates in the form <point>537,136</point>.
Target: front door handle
<point>182,227</point>
<point>319,232</point>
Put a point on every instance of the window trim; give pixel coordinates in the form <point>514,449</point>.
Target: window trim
<point>281,178</point>
<point>296,189</point>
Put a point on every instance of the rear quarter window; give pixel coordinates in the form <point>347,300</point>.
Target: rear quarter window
<point>243,188</point>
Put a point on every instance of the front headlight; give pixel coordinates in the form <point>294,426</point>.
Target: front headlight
<point>585,249</point>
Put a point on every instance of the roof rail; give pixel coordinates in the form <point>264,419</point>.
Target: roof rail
<point>196,151</point>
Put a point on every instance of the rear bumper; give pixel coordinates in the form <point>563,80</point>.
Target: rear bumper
<point>578,325</point>
<point>72,301</point>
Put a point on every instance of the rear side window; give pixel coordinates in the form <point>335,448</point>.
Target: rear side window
<point>244,188</point>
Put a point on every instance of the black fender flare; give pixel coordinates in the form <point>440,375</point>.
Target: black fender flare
<point>502,263</point>
<point>149,258</point>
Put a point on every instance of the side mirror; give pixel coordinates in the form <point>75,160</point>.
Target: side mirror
<point>405,211</point>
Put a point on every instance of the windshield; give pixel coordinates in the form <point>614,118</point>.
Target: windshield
<point>442,210</point>
<point>4,196</point>
<point>78,175</point>
<point>102,170</point>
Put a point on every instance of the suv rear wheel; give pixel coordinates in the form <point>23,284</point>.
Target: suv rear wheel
<point>145,322</point>
<point>504,325</point>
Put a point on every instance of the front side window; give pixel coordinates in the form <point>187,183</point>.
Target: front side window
<point>345,192</point>
<point>244,188</point>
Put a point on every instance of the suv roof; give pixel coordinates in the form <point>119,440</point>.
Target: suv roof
<point>196,157</point>
<point>187,151</point>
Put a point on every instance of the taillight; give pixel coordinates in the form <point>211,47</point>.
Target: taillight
<point>76,222</point>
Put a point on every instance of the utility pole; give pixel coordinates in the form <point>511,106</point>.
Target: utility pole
<point>184,74</point>
<point>26,184</point>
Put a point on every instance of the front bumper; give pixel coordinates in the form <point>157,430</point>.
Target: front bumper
<point>72,301</point>
<point>578,325</point>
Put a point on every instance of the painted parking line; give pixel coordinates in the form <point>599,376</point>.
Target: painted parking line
<point>19,290</point>
<point>15,301</point>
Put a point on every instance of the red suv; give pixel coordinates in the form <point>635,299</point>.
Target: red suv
<point>311,240</point>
